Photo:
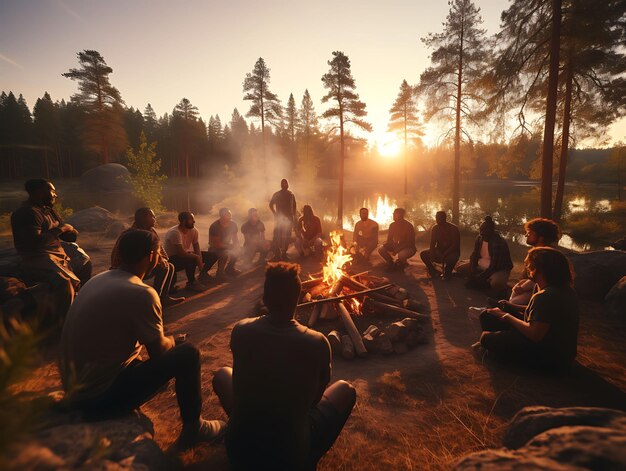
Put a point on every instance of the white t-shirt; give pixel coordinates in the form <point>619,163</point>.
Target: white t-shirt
<point>175,237</point>
<point>485,260</point>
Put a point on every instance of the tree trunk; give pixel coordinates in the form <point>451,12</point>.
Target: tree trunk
<point>456,179</point>
<point>548,134</point>
<point>341,170</point>
<point>560,187</point>
<point>406,159</point>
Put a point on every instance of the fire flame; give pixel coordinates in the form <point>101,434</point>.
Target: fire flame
<point>336,258</point>
<point>355,305</point>
<point>381,212</point>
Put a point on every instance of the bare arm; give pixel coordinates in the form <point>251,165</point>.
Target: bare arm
<point>534,331</point>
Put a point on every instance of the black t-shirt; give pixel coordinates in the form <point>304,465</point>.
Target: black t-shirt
<point>36,230</point>
<point>222,237</point>
<point>559,308</point>
<point>279,374</point>
<point>285,202</point>
<point>252,232</point>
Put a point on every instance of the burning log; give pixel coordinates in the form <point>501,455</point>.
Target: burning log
<point>344,315</point>
<point>347,347</point>
<point>334,291</point>
<point>315,313</point>
<point>308,284</point>
<point>355,285</point>
<point>384,308</point>
<point>342,297</point>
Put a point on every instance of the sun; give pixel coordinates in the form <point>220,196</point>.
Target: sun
<point>389,146</point>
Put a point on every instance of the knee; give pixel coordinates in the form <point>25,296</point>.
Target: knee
<point>485,340</point>
<point>347,392</point>
<point>425,255</point>
<point>188,353</point>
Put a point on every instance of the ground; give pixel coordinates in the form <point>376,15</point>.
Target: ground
<point>420,410</point>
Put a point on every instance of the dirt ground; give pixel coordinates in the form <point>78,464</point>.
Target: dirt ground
<point>419,410</point>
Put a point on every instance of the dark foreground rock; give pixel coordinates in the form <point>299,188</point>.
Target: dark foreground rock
<point>107,178</point>
<point>96,219</point>
<point>123,444</point>
<point>597,272</point>
<point>558,439</point>
<point>615,301</point>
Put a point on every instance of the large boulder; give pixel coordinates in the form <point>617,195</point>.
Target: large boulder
<point>96,219</point>
<point>597,272</point>
<point>558,439</point>
<point>615,301</point>
<point>107,178</point>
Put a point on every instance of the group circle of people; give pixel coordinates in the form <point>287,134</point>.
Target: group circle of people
<point>282,412</point>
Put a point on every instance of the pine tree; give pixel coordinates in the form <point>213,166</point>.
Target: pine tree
<point>346,109</point>
<point>265,104</point>
<point>47,130</point>
<point>102,103</point>
<point>404,119</point>
<point>150,122</point>
<point>145,170</point>
<point>449,86</point>
<point>291,125</point>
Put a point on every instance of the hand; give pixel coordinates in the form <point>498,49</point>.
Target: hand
<point>200,263</point>
<point>495,311</point>
<point>180,339</point>
<point>68,228</point>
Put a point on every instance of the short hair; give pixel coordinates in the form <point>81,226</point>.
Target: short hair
<point>364,209</point>
<point>35,184</point>
<point>546,228</point>
<point>282,288</point>
<point>552,264</point>
<point>183,216</point>
<point>135,245</point>
<point>251,211</point>
<point>142,212</point>
<point>223,211</point>
<point>400,211</point>
<point>442,214</point>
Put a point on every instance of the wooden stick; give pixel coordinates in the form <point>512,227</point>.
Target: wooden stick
<point>307,284</point>
<point>353,284</point>
<point>382,307</point>
<point>354,334</point>
<point>343,296</point>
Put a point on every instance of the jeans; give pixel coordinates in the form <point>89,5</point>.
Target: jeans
<point>448,262</point>
<point>187,264</point>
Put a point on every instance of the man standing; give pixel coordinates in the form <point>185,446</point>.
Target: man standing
<point>253,231</point>
<point>223,246</point>
<point>309,233</point>
<point>365,235</point>
<point>490,264</point>
<point>400,242</point>
<point>183,249</point>
<point>282,415</point>
<point>283,206</point>
<point>36,231</point>
<point>115,314</point>
<point>445,247</point>
<point>163,273</point>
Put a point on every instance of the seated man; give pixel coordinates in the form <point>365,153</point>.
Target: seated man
<point>400,242</point>
<point>254,241</point>
<point>36,230</point>
<point>540,232</point>
<point>115,314</point>
<point>183,249</point>
<point>282,415</point>
<point>547,332</point>
<point>163,273</point>
<point>490,264</point>
<point>223,246</point>
<point>309,233</point>
<point>80,262</point>
<point>365,235</point>
<point>445,247</point>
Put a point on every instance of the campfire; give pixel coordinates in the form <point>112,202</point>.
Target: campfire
<point>340,304</point>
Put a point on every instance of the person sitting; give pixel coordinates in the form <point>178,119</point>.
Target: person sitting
<point>546,333</point>
<point>115,314</point>
<point>80,262</point>
<point>183,249</point>
<point>490,264</point>
<point>309,234</point>
<point>163,273</point>
<point>365,235</point>
<point>400,242</point>
<point>254,241</point>
<point>36,229</point>
<point>223,246</point>
<point>540,232</point>
<point>282,415</point>
<point>445,247</point>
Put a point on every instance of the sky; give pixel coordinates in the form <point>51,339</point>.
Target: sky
<point>162,51</point>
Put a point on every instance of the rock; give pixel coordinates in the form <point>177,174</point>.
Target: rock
<point>396,331</point>
<point>335,342</point>
<point>95,219</point>
<point>108,178</point>
<point>415,338</point>
<point>411,324</point>
<point>596,272</point>
<point>615,300</point>
<point>372,330</point>
<point>347,347</point>
<point>383,344</point>
<point>370,343</point>
<point>400,347</point>
<point>558,439</point>
<point>413,305</point>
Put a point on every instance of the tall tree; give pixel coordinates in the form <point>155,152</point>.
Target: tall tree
<point>346,109</point>
<point>308,125</point>
<point>404,119</point>
<point>185,128</point>
<point>102,103</point>
<point>450,85</point>
<point>291,125</point>
<point>265,104</point>
<point>150,122</point>
<point>15,132</point>
<point>47,130</point>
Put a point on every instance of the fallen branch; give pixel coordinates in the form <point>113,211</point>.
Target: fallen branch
<point>372,305</point>
<point>354,334</point>
<point>343,296</point>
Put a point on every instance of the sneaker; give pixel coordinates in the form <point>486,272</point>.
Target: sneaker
<point>196,286</point>
<point>169,301</point>
<point>208,431</point>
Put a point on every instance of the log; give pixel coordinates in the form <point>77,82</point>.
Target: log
<point>342,297</point>
<point>372,330</point>
<point>383,344</point>
<point>384,308</point>
<point>334,338</point>
<point>400,347</point>
<point>308,284</point>
<point>344,315</point>
<point>347,347</point>
<point>329,313</point>
<point>356,286</point>
<point>315,314</point>
<point>335,289</point>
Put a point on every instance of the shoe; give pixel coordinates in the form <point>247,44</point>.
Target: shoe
<point>169,301</point>
<point>208,431</point>
<point>204,277</point>
<point>196,286</point>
